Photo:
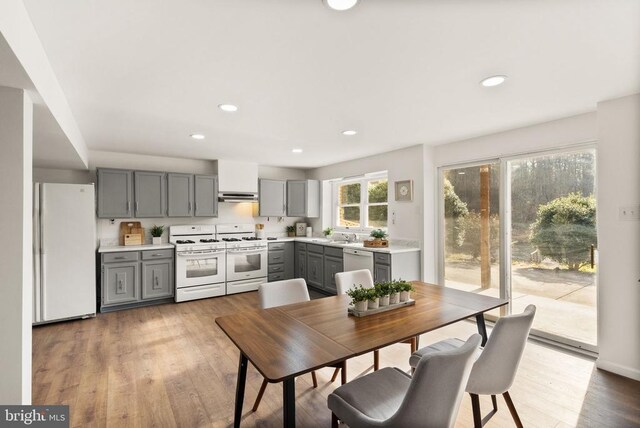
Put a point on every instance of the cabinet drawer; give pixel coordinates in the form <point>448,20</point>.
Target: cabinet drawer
<point>124,256</point>
<point>157,254</point>
<point>276,246</point>
<point>276,276</point>
<point>333,252</point>
<point>382,258</point>
<point>301,246</point>
<point>314,248</point>
<point>276,256</point>
<point>276,268</point>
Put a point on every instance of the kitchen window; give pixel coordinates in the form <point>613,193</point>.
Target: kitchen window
<point>361,203</point>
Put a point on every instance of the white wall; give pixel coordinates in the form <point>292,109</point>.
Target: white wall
<point>404,164</point>
<point>107,233</point>
<point>619,240</point>
<point>16,262</point>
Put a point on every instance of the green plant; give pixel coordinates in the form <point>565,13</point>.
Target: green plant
<point>328,231</point>
<point>454,212</point>
<point>378,234</point>
<point>384,288</point>
<point>400,285</point>
<point>565,229</point>
<point>372,293</point>
<point>291,228</point>
<point>157,231</point>
<point>358,294</point>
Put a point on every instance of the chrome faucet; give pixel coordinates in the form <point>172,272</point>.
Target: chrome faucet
<point>351,237</point>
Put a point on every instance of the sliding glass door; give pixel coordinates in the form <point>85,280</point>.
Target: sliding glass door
<point>524,228</point>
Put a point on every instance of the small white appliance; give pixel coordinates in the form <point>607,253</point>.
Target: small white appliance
<point>246,257</point>
<point>64,248</point>
<point>200,262</point>
<point>355,259</point>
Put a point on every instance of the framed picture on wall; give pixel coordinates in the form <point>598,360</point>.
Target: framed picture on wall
<point>404,190</point>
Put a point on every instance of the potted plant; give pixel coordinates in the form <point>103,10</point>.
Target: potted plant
<point>405,290</point>
<point>378,234</point>
<point>359,298</point>
<point>156,233</point>
<point>373,298</point>
<point>384,291</point>
<point>394,293</point>
<point>291,231</point>
<point>328,232</point>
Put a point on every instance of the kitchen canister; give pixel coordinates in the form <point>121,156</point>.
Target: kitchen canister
<point>309,232</point>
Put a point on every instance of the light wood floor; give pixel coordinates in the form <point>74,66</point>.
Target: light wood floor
<point>170,365</point>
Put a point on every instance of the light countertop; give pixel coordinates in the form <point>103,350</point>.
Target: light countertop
<point>391,249</point>
<point>117,248</point>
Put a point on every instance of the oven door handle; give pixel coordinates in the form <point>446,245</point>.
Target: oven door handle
<point>249,252</point>
<point>201,255</point>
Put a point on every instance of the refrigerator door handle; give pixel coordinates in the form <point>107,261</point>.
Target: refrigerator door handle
<point>43,258</point>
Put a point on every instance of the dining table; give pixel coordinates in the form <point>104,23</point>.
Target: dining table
<point>285,342</point>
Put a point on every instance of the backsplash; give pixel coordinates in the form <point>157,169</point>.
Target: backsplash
<point>107,233</point>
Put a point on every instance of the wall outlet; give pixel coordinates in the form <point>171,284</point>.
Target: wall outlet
<point>629,213</point>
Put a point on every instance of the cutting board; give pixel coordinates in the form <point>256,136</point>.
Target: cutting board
<point>131,233</point>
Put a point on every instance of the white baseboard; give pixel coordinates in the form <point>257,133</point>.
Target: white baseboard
<point>618,369</point>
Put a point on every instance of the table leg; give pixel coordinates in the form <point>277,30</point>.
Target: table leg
<point>242,378</point>
<point>482,328</point>
<point>289,402</point>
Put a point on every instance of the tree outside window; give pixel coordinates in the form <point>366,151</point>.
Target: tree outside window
<point>361,203</point>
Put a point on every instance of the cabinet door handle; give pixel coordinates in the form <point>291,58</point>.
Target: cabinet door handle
<point>119,258</point>
<point>156,255</point>
<point>119,285</point>
<point>189,207</point>
<point>136,206</point>
<point>128,207</point>
<point>195,207</point>
<point>156,282</point>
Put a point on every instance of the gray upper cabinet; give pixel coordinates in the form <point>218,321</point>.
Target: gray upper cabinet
<point>115,193</point>
<point>179,195</point>
<point>206,196</point>
<point>272,198</point>
<point>303,198</point>
<point>150,194</point>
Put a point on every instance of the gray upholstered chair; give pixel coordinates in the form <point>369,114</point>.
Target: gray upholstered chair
<point>348,280</point>
<point>281,293</point>
<point>392,398</point>
<point>495,370</point>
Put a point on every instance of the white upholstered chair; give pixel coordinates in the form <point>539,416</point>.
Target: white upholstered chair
<point>281,293</point>
<point>391,398</point>
<point>495,370</point>
<point>348,280</point>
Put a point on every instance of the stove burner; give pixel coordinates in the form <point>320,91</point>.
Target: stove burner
<point>231,239</point>
<point>209,240</point>
<point>188,241</point>
<point>251,238</point>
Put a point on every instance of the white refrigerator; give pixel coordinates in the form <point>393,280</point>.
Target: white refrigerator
<point>64,243</point>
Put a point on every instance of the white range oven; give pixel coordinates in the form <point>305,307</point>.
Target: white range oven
<point>246,257</point>
<point>200,262</point>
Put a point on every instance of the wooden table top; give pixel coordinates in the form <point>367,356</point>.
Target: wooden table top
<point>291,340</point>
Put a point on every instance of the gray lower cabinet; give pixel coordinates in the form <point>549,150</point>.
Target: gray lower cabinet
<point>387,267</point>
<point>114,193</point>
<point>134,278</point>
<point>150,194</point>
<point>206,196</point>
<point>301,260</point>
<point>332,266</point>
<point>281,261</point>
<point>179,195</point>
<point>315,267</point>
<point>381,273</point>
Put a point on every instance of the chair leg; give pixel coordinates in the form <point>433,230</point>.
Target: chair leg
<point>414,344</point>
<point>495,403</point>
<point>260,394</point>
<point>512,409</point>
<point>343,375</point>
<point>335,374</point>
<point>334,420</point>
<point>376,359</point>
<point>315,379</point>
<point>475,405</point>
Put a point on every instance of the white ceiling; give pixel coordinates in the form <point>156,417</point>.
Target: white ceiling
<point>140,76</point>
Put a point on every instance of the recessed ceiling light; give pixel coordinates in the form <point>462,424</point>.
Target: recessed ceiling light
<point>349,132</point>
<point>230,108</point>
<point>197,136</point>
<point>493,81</point>
<point>296,150</point>
<point>341,4</point>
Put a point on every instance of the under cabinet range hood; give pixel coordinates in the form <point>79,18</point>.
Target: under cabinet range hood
<point>237,181</point>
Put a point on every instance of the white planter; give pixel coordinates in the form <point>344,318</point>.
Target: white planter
<point>384,300</point>
<point>373,304</point>
<point>394,298</point>
<point>361,306</point>
<point>405,295</point>
<point>156,241</point>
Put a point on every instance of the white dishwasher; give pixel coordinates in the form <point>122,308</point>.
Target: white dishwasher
<point>356,259</point>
